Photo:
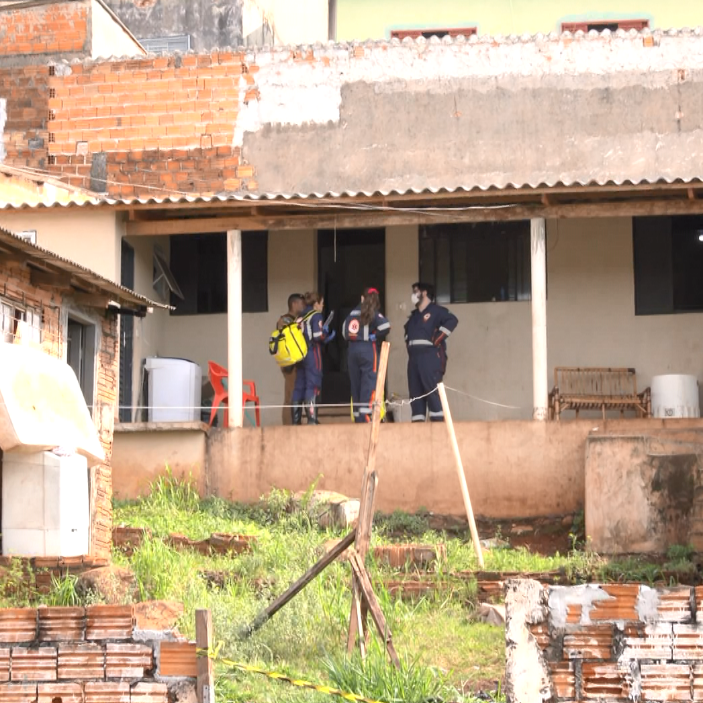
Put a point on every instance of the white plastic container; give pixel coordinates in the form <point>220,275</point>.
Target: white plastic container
<point>175,388</point>
<point>45,505</point>
<point>675,395</point>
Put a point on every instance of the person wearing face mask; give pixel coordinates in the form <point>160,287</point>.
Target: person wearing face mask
<point>308,380</point>
<point>426,333</point>
<point>362,329</point>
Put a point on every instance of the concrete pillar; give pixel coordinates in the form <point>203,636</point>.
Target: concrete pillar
<point>540,381</point>
<point>234,327</point>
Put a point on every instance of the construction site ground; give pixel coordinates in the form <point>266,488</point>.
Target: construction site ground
<point>234,560</point>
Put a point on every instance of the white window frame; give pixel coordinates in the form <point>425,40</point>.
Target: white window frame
<point>29,314</point>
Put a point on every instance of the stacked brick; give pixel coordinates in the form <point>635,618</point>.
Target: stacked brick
<point>161,125</point>
<point>52,28</point>
<point>620,642</point>
<point>87,655</point>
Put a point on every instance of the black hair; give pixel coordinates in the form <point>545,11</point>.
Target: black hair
<point>293,298</point>
<point>425,288</point>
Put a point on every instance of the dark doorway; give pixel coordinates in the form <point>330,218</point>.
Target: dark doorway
<point>349,260</point>
<point>126,338</point>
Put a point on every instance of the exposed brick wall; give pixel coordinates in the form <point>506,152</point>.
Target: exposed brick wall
<point>90,654</point>
<point>25,136</point>
<point>620,642</point>
<point>163,123</point>
<point>16,286</point>
<point>56,28</point>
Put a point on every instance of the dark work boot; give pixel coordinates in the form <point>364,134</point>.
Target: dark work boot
<point>297,414</point>
<point>311,412</point>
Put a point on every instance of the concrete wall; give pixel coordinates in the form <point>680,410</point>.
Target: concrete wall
<point>141,452</point>
<point>367,19</point>
<point>108,37</point>
<point>89,236</point>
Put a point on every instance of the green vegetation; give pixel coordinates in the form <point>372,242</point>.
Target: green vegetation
<point>447,654</point>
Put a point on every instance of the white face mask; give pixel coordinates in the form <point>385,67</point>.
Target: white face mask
<point>415,297</point>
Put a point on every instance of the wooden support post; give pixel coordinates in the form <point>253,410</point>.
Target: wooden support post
<point>234,328</point>
<point>540,380</point>
<point>364,584</point>
<point>460,470</point>
<point>368,493</point>
<point>203,642</point>
<point>265,615</point>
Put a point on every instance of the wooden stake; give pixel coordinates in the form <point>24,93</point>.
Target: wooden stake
<point>460,470</point>
<point>368,492</point>
<point>203,641</point>
<point>364,583</point>
<point>265,615</point>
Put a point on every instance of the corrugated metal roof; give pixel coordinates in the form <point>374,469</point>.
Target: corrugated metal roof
<point>39,255</point>
<point>189,198</point>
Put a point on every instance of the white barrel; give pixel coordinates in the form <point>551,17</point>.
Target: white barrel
<point>675,395</point>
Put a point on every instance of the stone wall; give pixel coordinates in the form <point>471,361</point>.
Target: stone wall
<point>615,642</point>
<point>91,655</point>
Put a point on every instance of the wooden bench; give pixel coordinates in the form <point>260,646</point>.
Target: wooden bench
<point>597,389</point>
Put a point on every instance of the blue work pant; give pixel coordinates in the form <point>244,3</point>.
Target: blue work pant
<point>426,367</point>
<point>362,361</point>
<point>308,380</point>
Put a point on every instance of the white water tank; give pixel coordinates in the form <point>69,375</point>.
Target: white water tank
<point>675,395</point>
<point>175,388</point>
<point>45,505</point>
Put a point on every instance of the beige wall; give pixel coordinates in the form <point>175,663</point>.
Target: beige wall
<point>141,454</point>
<point>203,338</point>
<point>109,38</point>
<point>302,22</point>
<point>88,236</point>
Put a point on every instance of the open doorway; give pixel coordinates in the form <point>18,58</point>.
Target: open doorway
<point>349,260</point>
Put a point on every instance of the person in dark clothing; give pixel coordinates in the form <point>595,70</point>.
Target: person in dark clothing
<point>363,328</point>
<point>426,333</point>
<point>308,382</point>
<point>296,305</point>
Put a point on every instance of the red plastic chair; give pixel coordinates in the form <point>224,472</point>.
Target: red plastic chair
<point>218,380</point>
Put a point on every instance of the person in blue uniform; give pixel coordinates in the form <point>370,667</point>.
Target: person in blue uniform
<point>308,380</point>
<point>426,333</point>
<point>363,329</point>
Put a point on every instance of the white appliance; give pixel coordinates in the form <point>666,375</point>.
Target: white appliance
<point>175,388</point>
<point>675,395</point>
<point>45,505</point>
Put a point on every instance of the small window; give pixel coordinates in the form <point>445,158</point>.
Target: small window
<point>668,260</point>
<point>602,25</point>
<point>477,262</point>
<point>12,315</point>
<point>81,355</point>
<point>199,264</point>
<point>166,45</point>
<point>428,33</point>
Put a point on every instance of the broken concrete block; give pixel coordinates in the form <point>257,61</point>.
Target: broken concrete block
<point>527,678</point>
<point>491,614</point>
<point>328,508</point>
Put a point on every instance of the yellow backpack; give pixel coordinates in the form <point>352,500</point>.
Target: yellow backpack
<point>288,345</point>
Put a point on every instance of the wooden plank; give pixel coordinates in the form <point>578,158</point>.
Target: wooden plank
<point>266,614</point>
<point>368,493</point>
<point>44,279</point>
<point>364,583</point>
<point>203,642</point>
<point>334,215</point>
<point>449,423</point>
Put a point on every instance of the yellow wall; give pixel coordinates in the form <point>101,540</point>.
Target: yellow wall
<point>370,19</point>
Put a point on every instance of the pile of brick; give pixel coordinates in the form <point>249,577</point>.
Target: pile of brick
<point>96,654</point>
<point>127,539</point>
<point>616,642</point>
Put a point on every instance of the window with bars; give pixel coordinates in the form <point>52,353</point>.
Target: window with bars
<point>13,315</point>
<point>477,262</point>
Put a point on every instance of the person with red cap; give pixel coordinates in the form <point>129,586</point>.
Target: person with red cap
<point>363,328</point>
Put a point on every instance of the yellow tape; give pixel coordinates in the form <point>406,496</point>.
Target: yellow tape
<point>300,683</point>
